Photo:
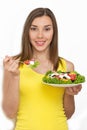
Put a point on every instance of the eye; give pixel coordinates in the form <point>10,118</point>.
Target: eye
<point>33,28</point>
<point>47,29</point>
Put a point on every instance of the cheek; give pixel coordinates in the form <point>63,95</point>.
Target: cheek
<point>32,36</point>
<point>49,36</point>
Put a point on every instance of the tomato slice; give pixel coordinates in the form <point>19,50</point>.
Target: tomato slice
<point>72,76</point>
<point>27,62</point>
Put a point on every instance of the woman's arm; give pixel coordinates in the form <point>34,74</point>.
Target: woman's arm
<point>10,100</point>
<point>69,103</point>
<point>68,99</point>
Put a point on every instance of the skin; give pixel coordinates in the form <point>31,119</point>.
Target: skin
<point>40,34</point>
<point>10,87</point>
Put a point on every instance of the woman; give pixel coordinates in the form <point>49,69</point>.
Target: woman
<point>34,105</point>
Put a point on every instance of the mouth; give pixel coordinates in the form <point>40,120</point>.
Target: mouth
<point>40,43</point>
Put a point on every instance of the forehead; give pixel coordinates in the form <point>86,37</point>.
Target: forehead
<point>43,20</point>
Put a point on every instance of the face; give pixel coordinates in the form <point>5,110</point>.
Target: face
<point>41,33</point>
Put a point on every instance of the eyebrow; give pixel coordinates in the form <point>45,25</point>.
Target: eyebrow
<point>44,25</point>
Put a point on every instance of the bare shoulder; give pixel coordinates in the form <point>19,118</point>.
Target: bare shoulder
<point>69,65</point>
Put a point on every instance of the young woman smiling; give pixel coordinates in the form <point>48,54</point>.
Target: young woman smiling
<point>36,106</point>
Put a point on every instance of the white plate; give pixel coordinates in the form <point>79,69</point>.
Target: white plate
<point>61,85</point>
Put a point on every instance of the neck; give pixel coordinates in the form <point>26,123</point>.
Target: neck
<point>41,56</point>
<point>44,60</point>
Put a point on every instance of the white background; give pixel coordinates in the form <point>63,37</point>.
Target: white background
<point>71,16</point>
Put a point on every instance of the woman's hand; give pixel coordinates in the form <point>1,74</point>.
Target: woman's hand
<point>11,65</point>
<point>73,90</point>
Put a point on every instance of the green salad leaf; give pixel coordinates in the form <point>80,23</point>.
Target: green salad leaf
<point>36,63</point>
<point>53,80</point>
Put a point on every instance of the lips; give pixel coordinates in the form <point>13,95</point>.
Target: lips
<point>40,43</point>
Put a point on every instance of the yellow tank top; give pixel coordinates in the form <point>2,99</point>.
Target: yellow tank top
<point>41,106</point>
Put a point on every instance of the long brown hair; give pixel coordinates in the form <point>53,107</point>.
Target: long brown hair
<point>26,50</point>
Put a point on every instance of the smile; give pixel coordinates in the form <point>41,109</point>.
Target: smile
<point>40,43</point>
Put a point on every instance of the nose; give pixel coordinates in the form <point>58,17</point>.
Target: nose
<point>40,34</point>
